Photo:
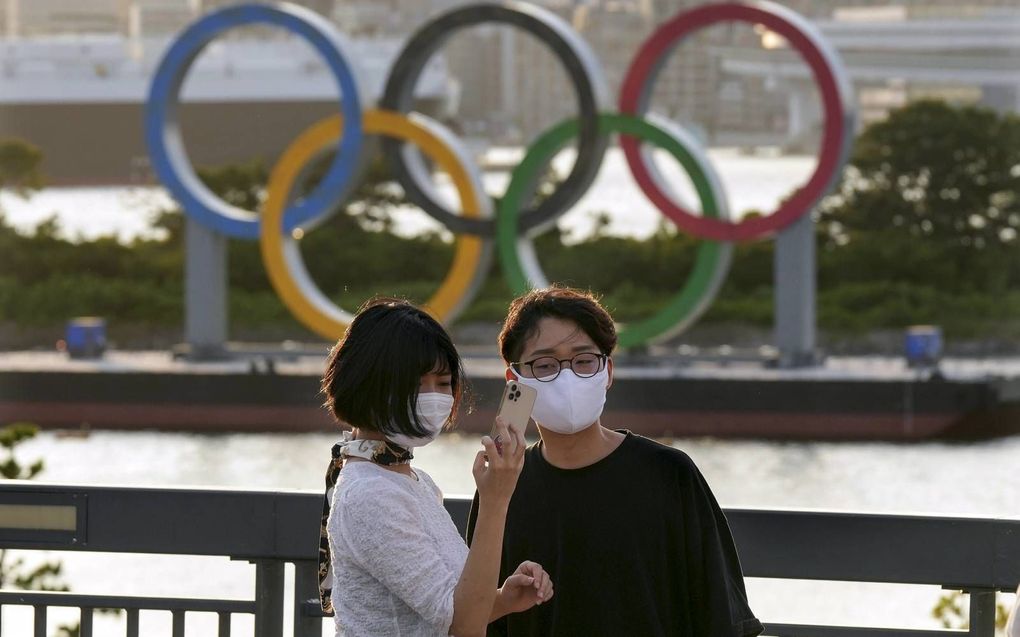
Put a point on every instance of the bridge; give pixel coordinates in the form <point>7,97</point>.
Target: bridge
<point>978,52</point>
<point>273,529</point>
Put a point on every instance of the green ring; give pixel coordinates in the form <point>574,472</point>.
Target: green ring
<point>517,254</point>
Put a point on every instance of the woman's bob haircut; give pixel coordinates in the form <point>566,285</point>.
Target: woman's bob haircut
<point>373,373</point>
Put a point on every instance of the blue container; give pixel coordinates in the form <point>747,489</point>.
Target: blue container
<point>923,345</point>
<point>85,337</point>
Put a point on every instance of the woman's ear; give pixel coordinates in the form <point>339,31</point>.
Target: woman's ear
<point>510,375</point>
<point>609,368</point>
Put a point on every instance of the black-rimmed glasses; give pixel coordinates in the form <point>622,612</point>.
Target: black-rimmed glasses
<point>547,368</point>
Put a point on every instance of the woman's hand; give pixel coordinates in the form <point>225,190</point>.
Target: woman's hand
<point>527,587</point>
<point>496,471</point>
<point>474,598</point>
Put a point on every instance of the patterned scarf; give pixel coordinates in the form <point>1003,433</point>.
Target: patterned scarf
<point>378,451</point>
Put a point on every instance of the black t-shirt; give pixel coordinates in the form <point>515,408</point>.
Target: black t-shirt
<point>635,544</point>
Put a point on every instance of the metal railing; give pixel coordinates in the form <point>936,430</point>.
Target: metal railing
<point>271,529</point>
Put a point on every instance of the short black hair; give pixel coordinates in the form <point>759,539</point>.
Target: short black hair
<point>374,371</point>
<point>571,304</point>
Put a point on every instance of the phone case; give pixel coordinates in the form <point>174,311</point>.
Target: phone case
<point>516,405</point>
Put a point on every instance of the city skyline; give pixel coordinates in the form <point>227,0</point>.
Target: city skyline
<point>731,85</point>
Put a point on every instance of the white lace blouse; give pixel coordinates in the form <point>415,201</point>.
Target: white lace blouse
<point>396,554</point>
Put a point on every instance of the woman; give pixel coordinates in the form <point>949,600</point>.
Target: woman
<point>398,564</point>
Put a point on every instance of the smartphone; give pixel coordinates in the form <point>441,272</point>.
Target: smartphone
<point>515,408</point>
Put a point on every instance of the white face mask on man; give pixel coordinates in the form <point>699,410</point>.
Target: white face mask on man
<point>433,410</point>
<point>568,403</point>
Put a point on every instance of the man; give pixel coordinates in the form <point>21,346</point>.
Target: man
<point>627,528</point>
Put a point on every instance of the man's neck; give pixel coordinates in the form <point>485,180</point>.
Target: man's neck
<point>573,451</point>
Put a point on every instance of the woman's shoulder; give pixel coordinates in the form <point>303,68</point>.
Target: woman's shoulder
<point>364,484</point>
<point>372,503</point>
<point>427,480</point>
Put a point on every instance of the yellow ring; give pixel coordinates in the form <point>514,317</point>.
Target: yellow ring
<point>281,254</point>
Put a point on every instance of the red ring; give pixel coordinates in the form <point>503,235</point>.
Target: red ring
<point>645,62</point>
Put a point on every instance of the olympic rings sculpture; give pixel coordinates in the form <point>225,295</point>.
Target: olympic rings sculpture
<point>479,232</point>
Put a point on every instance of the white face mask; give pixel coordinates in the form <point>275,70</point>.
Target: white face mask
<point>569,404</point>
<point>433,410</point>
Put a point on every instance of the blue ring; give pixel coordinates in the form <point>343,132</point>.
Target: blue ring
<point>166,146</point>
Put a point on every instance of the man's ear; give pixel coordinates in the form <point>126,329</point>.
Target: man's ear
<point>609,368</point>
<point>510,375</point>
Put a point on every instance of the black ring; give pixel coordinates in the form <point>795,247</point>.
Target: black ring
<point>585,74</point>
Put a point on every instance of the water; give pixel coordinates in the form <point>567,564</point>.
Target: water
<point>973,479</point>
<point>88,213</point>
<point>753,182</point>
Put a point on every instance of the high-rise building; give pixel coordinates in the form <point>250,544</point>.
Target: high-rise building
<point>28,18</point>
<point>514,85</point>
<point>817,9</point>
<point>386,17</point>
<point>325,7</point>
<point>38,17</point>
<point>156,18</point>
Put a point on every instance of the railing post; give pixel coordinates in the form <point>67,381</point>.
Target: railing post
<point>982,613</point>
<point>306,576</point>
<point>132,622</point>
<point>40,621</point>
<point>85,625</point>
<point>268,598</point>
<point>224,625</point>
<point>178,623</point>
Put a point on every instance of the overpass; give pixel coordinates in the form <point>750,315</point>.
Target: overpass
<point>92,89</point>
<point>980,52</point>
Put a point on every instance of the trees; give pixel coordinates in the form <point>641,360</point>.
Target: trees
<point>20,166</point>
<point>931,196</point>
<point>923,226</point>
